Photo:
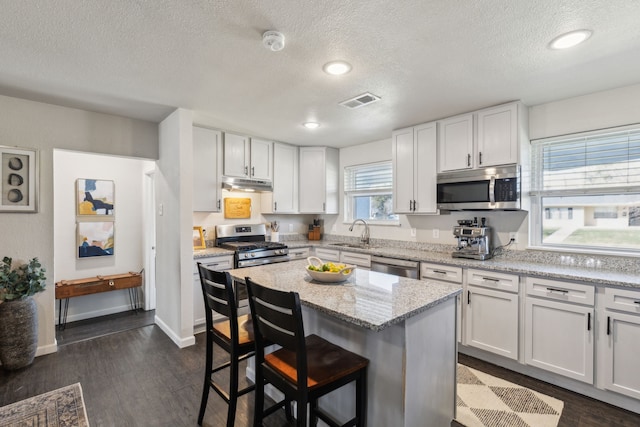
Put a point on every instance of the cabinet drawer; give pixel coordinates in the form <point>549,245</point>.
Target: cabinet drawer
<point>441,272</point>
<point>493,280</point>
<point>214,263</point>
<point>361,260</point>
<point>622,299</point>
<point>560,291</point>
<point>327,254</point>
<point>298,253</point>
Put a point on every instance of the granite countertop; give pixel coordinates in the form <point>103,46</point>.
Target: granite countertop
<point>367,299</point>
<point>563,267</point>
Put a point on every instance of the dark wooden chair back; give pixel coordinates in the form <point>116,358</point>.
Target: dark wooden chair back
<point>277,319</point>
<point>217,291</point>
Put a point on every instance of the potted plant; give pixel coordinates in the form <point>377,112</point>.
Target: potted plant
<point>18,312</point>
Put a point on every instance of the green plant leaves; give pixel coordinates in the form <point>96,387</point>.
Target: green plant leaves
<point>26,280</point>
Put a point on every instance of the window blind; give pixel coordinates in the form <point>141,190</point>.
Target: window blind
<point>602,162</point>
<point>369,177</point>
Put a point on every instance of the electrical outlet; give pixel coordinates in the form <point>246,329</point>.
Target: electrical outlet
<point>413,232</point>
<point>436,233</point>
<point>513,236</point>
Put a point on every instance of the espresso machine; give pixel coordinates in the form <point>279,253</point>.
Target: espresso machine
<point>474,240</point>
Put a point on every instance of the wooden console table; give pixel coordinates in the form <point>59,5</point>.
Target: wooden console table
<point>66,289</point>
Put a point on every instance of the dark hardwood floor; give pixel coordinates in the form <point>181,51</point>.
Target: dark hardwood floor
<point>139,377</point>
<point>105,325</point>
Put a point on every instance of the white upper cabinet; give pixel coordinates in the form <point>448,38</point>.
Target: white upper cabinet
<point>318,182</point>
<point>207,167</point>
<point>414,169</point>
<point>284,198</point>
<point>488,137</point>
<point>498,135</point>
<point>246,157</point>
<point>455,145</point>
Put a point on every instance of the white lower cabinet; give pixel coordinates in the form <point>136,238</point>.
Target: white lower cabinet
<point>327,255</point>
<point>559,334</point>
<point>354,258</point>
<point>621,335</point>
<point>492,321</point>
<point>298,253</point>
<point>220,263</point>
<point>491,313</point>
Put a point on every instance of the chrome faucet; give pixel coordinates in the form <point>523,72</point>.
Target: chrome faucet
<point>364,239</point>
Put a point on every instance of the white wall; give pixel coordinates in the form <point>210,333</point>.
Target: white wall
<point>174,222</point>
<point>600,110</point>
<point>46,127</point>
<point>127,175</point>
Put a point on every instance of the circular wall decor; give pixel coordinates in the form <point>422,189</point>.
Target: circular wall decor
<point>15,179</point>
<point>15,163</point>
<point>15,196</point>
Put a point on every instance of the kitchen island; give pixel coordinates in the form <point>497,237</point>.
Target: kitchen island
<point>405,327</point>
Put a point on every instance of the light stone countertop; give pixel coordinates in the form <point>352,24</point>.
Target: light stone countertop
<point>590,270</point>
<point>367,299</point>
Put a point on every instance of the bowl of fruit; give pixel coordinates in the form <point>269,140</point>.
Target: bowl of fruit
<point>328,272</point>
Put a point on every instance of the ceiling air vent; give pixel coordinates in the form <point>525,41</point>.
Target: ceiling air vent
<point>360,100</point>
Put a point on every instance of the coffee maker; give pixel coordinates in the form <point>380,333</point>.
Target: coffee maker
<point>474,240</point>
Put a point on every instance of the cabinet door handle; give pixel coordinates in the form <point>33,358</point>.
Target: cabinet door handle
<point>253,171</point>
<point>468,297</point>
<point>218,204</point>
<point>608,325</point>
<point>439,272</point>
<point>468,159</point>
<point>410,205</point>
<point>246,170</point>
<point>637,302</point>
<point>562,291</point>
<point>588,321</point>
<point>275,206</point>
<point>324,206</point>
<point>490,279</point>
<point>480,157</point>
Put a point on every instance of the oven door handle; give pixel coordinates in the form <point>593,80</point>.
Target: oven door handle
<point>492,190</point>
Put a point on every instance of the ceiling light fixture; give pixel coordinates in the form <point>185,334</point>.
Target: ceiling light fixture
<point>570,39</point>
<point>311,125</point>
<point>337,68</point>
<point>273,40</point>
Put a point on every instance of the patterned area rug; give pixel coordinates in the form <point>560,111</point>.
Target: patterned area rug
<point>63,407</point>
<point>487,401</point>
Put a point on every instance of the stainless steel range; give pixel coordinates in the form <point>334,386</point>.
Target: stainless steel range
<point>250,245</point>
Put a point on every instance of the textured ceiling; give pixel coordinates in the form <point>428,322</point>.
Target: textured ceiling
<point>426,59</point>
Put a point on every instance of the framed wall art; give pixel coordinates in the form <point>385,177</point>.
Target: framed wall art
<point>95,238</point>
<point>19,172</point>
<point>95,197</point>
<point>198,238</point>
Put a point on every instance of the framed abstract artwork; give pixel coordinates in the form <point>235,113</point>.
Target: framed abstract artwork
<point>95,239</point>
<point>19,172</point>
<point>198,238</point>
<point>95,197</point>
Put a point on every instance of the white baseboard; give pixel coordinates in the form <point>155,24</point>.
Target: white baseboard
<point>46,349</point>
<point>180,342</point>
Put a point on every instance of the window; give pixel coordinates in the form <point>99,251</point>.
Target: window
<point>585,191</point>
<point>367,192</point>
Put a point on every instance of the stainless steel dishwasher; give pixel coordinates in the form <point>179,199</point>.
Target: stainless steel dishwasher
<point>394,266</point>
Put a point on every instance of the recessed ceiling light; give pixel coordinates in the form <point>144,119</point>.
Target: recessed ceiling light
<point>570,39</point>
<point>337,68</point>
<point>311,125</point>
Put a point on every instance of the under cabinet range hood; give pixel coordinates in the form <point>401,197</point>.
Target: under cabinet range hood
<point>245,184</point>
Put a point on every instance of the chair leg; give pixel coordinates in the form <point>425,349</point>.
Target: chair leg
<point>287,410</point>
<point>313,414</point>
<point>301,412</point>
<point>361,399</point>
<point>258,407</point>
<point>233,390</point>
<point>207,380</point>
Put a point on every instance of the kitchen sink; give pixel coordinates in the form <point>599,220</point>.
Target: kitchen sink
<point>352,245</point>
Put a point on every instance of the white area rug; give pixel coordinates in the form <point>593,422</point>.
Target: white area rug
<point>486,401</point>
<point>63,407</point>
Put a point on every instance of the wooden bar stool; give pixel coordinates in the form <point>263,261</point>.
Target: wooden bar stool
<point>234,335</point>
<point>305,368</point>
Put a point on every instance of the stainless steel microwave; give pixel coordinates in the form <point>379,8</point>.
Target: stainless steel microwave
<point>496,188</point>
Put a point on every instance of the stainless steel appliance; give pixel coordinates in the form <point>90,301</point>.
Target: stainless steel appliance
<point>495,188</point>
<point>394,266</point>
<point>250,245</point>
<point>474,240</point>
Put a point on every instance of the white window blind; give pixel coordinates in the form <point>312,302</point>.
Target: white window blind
<point>602,162</point>
<point>369,177</point>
